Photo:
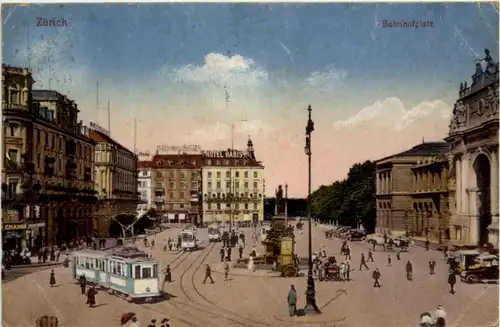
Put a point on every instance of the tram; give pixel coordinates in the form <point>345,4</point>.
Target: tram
<point>189,240</point>
<point>214,233</point>
<point>264,231</point>
<point>126,272</point>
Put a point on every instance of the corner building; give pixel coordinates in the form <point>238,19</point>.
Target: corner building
<point>47,186</point>
<point>233,186</point>
<point>115,172</point>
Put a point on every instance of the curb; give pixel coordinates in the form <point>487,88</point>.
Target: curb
<point>432,246</point>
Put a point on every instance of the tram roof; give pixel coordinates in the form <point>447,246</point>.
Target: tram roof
<point>93,253</point>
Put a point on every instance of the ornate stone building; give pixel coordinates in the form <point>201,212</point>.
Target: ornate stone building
<point>47,186</point>
<point>473,137</point>
<point>115,172</point>
<point>406,190</point>
<point>145,187</point>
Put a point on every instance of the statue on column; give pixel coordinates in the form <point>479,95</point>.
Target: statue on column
<point>280,202</point>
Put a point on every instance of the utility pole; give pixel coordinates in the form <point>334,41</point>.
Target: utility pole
<point>109,118</point>
<point>97,102</point>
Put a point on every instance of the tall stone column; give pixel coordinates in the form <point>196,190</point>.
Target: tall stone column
<point>459,183</point>
<point>473,217</point>
<point>378,183</point>
<point>465,182</point>
<point>494,184</point>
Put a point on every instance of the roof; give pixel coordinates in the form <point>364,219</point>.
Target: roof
<point>143,164</point>
<point>46,95</point>
<point>177,161</point>
<point>421,150</point>
<point>97,136</point>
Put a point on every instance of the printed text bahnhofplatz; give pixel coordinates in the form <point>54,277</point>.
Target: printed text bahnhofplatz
<point>407,23</point>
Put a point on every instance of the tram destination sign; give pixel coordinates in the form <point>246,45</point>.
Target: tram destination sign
<point>237,154</point>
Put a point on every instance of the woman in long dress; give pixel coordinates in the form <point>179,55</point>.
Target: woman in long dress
<point>91,296</point>
<point>52,281</point>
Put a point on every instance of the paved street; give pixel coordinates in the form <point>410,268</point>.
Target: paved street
<point>259,300</point>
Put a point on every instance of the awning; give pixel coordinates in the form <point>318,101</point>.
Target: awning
<point>182,216</point>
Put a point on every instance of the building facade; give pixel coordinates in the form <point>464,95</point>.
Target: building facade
<point>47,190</point>
<point>233,186</point>
<point>145,187</point>
<point>115,172</point>
<point>399,187</point>
<point>473,137</point>
<point>176,184</point>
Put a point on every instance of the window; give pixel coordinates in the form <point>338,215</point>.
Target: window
<point>171,195</point>
<point>13,186</point>
<point>194,185</point>
<point>246,174</point>
<point>209,162</point>
<point>246,185</point>
<point>209,185</point>
<point>146,272</point>
<point>246,206</point>
<point>182,175</point>
<point>236,185</point>
<point>218,162</point>
<point>181,206</point>
<point>209,174</point>
<point>137,273</point>
<point>171,175</point>
<point>181,195</point>
<point>144,173</point>
<point>183,185</point>
<point>255,185</point>
<point>155,271</point>
<point>218,184</point>
<point>228,184</point>
<point>228,205</point>
<point>171,185</point>
<point>14,155</point>
<point>113,267</point>
<point>119,268</point>
<point>158,174</point>
<point>255,174</point>
<point>255,206</point>
<point>159,185</point>
<point>237,174</point>
<point>218,174</point>
<point>228,174</point>
<point>193,174</point>
<point>209,206</point>
<point>218,206</point>
<point>236,206</point>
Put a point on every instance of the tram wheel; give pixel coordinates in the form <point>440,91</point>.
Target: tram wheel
<point>290,271</point>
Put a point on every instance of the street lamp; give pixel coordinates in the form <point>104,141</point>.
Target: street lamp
<point>311,306</point>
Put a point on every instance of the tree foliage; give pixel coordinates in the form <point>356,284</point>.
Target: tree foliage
<point>348,200</point>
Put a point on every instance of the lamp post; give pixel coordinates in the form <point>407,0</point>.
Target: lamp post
<point>311,306</point>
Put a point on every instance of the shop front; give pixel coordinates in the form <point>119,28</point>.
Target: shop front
<point>14,236</point>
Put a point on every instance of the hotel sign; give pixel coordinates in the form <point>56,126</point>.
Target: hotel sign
<point>225,154</point>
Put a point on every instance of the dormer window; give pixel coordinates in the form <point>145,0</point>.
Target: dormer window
<point>209,162</point>
<point>245,163</point>
<point>236,163</point>
<point>158,163</point>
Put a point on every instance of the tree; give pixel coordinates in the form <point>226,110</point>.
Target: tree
<point>350,200</point>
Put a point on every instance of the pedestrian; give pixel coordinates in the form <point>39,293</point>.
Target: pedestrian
<point>226,270</point>
<point>145,242</point>
<point>373,246</point>
<point>208,274</point>
<point>165,244</point>
<point>363,263</point>
<point>347,253</point>
<point>83,283</point>
<point>240,249</point>
<point>168,274</point>
<point>57,253</point>
<point>164,322</point>
<point>398,253</point>
<point>52,254</point>
<point>389,260</point>
<point>348,270</point>
<point>229,254</point>
<point>152,244</point>
<point>409,271</point>
<point>376,276</point>
<point>222,252</point>
<point>40,255</point>
<point>45,254</point>
<point>52,280</point>
<point>427,244</point>
<point>91,296</point>
<point>370,256</point>
<point>440,316</point>
<point>292,301</point>
<point>432,266</point>
<point>152,323</point>
<point>452,280</point>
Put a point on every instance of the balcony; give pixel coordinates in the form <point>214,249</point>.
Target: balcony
<point>159,199</point>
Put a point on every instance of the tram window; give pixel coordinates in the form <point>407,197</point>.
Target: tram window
<point>92,263</point>
<point>137,272</point>
<point>113,265</point>
<point>119,268</point>
<point>146,272</point>
<point>87,263</point>
<point>125,270</point>
<point>155,271</point>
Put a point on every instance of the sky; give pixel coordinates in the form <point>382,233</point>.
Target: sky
<point>188,72</point>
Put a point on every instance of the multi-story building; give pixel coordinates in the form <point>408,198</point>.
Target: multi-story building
<point>115,172</point>
<point>474,137</point>
<point>430,211</point>
<point>47,188</point>
<point>397,185</point>
<point>177,185</point>
<point>233,186</point>
<point>145,187</point>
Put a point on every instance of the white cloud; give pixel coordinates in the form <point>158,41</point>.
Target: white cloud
<point>327,80</point>
<point>391,113</point>
<point>219,70</point>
